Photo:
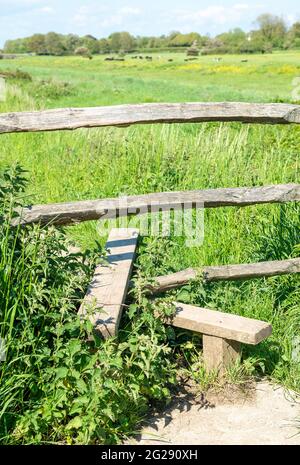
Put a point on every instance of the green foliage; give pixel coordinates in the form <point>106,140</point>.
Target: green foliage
<point>272,32</point>
<point>16,74</point>
<point>58,382</point>
<point>50,89</point>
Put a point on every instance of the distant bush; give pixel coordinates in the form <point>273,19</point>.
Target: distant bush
<point>50,89</point>
<point>17,74</point>
<point>83,51</point>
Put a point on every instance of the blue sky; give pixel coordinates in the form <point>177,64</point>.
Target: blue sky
<point>20,18</point>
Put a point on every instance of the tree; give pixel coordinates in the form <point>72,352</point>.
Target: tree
<point>293,36</point>
<point>37,44</point>
<point>103,46</point>
<point>16,46</point>
<point>121,41</point>
<point>54,44</point>
<point>232,39</point>
<point>272,28</point>
<point>91,43</point>
<point>83,51</point>
<point>71,42</point>
<point>185,40</point>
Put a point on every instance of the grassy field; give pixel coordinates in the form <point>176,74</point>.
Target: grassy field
<point>98,163</point>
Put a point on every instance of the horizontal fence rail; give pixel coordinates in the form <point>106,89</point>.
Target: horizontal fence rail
<point>75,212</point>
<point>226,273</point>
<point>125,115</point>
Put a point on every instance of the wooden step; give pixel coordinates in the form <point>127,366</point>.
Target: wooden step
<point>220,324</point>
<point>105,298</point>
<point>222,332</point>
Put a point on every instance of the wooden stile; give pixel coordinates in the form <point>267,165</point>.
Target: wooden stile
<point>103,303</point>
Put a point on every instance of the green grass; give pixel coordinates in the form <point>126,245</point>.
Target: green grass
<point>98,163</point>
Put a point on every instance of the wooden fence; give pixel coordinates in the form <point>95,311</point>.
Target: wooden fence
<point>124,115</point>
<point>221,333</point>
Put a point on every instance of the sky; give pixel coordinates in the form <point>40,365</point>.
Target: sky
<point>21,18</point>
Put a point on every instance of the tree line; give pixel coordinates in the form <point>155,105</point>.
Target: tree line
<point>271,32</point>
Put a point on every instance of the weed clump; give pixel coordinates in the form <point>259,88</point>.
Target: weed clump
<point>59,383</point>
<point>17,74</point>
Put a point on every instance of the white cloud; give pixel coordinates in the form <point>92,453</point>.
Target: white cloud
<point>120,17</point>
<point>213,15</point>
<point>20,3</point>
<point>94,14</point>
<point>45,9</point>
<point>241,6</point>
<point>127,10</point>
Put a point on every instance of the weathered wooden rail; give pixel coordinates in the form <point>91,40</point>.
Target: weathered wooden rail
<point>226,273</point>
<point>126,115</point>
<point>75,212</point>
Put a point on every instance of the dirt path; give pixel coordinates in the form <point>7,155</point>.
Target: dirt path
<point>267,415</point>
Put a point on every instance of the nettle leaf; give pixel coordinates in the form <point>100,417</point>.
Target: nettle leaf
<point>117,362</point>
<point>75,423</point>
<point>74,346</point>
<point>132,310</point>
<point>61,372</point>
<point>110,384</point>
<point>184,296</point>
<point>81,386</point>
<point>109,413</point>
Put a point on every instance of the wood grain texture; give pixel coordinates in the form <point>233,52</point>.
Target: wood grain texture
<point>103,303</point>
<point>219,324</point>
<point>226,272</point>
<point>75,212</point>
<point>219,354</point>
<point>125,115</point>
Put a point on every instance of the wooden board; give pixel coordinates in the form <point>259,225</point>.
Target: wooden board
<point>219,354</point>
<point>103,303</point>
<point>219,324</point>
<point>226,272</point>
<point>85,210</point>
<point>125,115</point>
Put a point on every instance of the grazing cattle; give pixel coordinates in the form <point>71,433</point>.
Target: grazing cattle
<point>244,61</point>
<point>170,59</point>
<point>217,59</point>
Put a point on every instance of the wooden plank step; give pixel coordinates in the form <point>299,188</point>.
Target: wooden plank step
<point>222,333</point>
<point>104,301</point>
<point>220,324</point>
